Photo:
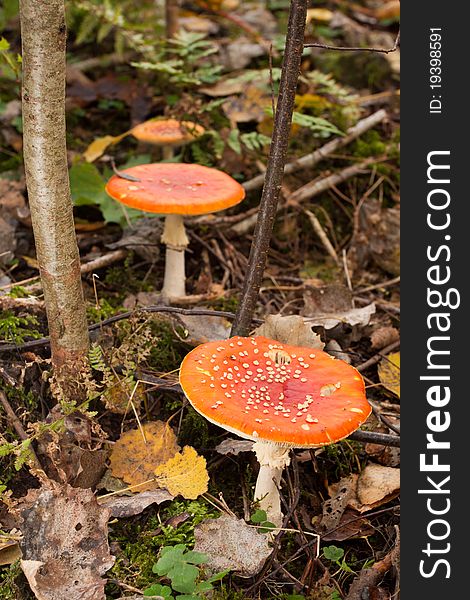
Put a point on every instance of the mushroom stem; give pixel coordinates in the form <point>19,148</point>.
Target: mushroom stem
<point>168,152</point>
<point>272,459</point>
<point>176,241</point>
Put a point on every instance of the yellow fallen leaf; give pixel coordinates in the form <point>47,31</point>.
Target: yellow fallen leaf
<point>185,474</point>
<point>30,261</point>
<point>319,14</point>
<point>134,459</point>
<point>389,372</point>
<point>98,146</point>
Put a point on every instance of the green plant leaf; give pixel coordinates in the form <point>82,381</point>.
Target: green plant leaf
<point>218,576</point>
<point>233,141</point>
<point>333,553</point>
<point>87,188</point>
<point>259,516</point>
<point>159,590</point>
<point>195,558</point>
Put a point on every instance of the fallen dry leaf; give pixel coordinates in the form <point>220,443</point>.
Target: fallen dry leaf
<point>65,542</point>
<point>9,550</point>
<point>349,526</point>
<point>291,330</point>
<point>319,14</point>
<point>225,541</point>
<point>390,10</point>
<point>134,459</point>
<point>128,506</point>
<point>384,336</point>
<point>233,446</point>
<point>98,146</point>
<point>185,474</point>
<point>389,372</point>
<point>204,328</point>
<point>353,317</point>
<point>375,486</point>
<point>249,106</point>
<point>75,455</point>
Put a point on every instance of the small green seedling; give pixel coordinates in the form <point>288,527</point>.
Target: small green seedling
<point>181,567</point>
<point>260,518</point>
<point>336,555</point>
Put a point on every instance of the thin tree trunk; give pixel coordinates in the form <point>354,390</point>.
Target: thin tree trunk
<point>44,36</point>
<point>171,18</point>
<point>275,167</point>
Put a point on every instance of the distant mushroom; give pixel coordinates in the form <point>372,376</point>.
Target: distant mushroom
<point>280,396</point>
<point>167,133</point>
<point>175,190</point>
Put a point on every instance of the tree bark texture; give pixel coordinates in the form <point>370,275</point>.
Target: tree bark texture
<point>275,166</point>
<point>44,34</point>
<point>171,18</point>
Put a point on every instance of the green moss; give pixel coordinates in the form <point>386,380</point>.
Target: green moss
<point>18,329</point>
<point>369,144</point>
<point>12,584</point>
<point>357,69</point>
<point>106,309</point>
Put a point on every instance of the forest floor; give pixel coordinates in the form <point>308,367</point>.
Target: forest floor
<point>333,263</point>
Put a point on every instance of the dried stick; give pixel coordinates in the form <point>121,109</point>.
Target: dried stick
<point>275,166</point>
<point>315,187</point>
<point>322,235</point>
<point>18,427</point>
<point>103,261</point>
<point>369,577</point>
<point>310,160</point>
<point>377,357</point>
<point>45,341</point>
<point>372,437</point>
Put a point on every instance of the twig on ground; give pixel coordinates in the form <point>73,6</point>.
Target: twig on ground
<point>310,160</point>
<point>103,261</point>
<point>17,426</point>
<point>311,189</point>
<point>377,286</point>
<point>150,309</point>
<point>317,186</point>
<point>369,577</point>
<point>275,167</point>
<point>372,437</point>
<point>378,357</point>
<point>322,235</point>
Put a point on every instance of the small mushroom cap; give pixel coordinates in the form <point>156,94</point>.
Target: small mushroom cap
<point>167,132</point>
<point>174,188</point>
<point>263,390</point>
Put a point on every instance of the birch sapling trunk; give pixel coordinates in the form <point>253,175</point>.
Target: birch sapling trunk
<point>43,33</point>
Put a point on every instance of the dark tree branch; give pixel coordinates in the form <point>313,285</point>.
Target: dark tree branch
<point>45,341</point>
<point>275,166</point>
<point>355,49</point>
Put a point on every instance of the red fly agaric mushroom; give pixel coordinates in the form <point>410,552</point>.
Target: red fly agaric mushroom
<point>167,133</point>
<point>175,190</point>
<point>280,396</point>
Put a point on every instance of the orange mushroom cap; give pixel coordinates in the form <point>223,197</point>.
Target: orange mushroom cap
<point>263,390</point>
<point>175,188</point>
<point>167,132</point>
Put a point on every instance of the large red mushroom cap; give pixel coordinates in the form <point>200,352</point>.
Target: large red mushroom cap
<point>167,132</point>
<point>175,188</point>
<point>267,391</point>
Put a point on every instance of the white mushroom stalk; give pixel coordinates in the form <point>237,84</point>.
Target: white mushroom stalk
<point>176,241</point>
<point>272,459</point>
